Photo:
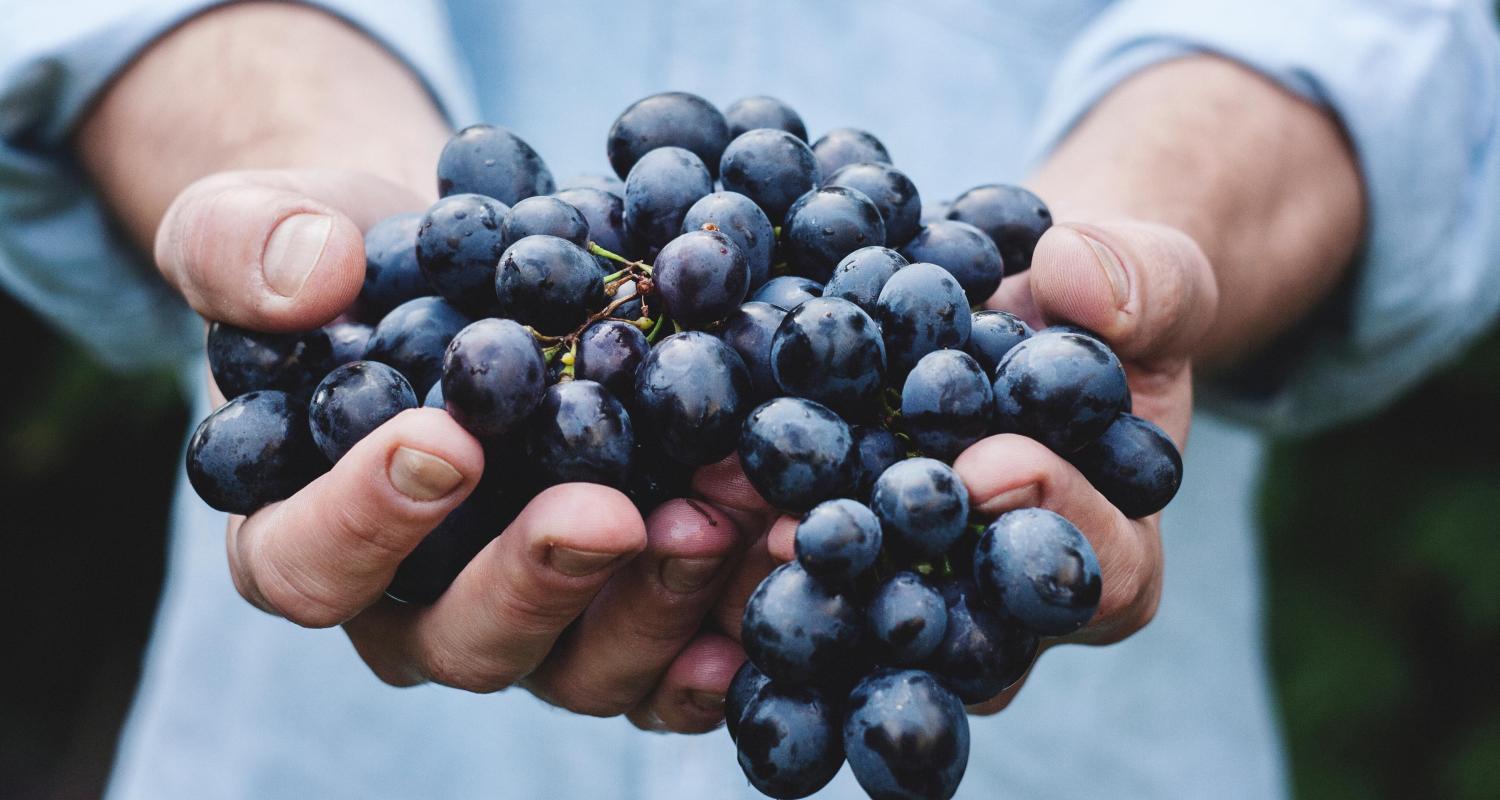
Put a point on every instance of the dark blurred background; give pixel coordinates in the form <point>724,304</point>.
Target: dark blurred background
<point>1383,543</point>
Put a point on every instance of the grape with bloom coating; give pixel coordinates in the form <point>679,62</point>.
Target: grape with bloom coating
<point>701,276</point>
<point>906,737</point>
<point>771,167</point>
<point>1036,568</point>
<point>493,377</point>
<point>825,225</point>
<point>691,394</point>
<point>796,453</point>
<point>830,350</point>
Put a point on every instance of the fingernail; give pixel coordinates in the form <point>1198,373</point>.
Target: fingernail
<point>686,575</point>
<point>293,251</point>
<point>1027,496</point>
<point>579,563</point>
<point>1114,271</point>
<point>422,476</point>
<point>708,701</point>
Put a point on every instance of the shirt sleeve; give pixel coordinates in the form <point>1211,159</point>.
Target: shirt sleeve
<point>59,252</point>
<point>1414,84</point>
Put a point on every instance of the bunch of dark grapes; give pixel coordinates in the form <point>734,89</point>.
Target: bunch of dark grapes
<point>740,291</point>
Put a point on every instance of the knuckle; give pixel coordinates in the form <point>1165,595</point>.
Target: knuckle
<point>301,598</point>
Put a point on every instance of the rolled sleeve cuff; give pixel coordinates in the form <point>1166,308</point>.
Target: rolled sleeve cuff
<point>1415,86</point>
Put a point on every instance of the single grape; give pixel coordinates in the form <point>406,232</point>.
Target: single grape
<point>1134,464</point>
<point>348,341</point>
<point>862,274</point>
<point>788,291</point>
<point>891,191</point>
<point>701,277</point>
<point>1036,568</point>
<point>796,453</point>
<point>771,167</point>
<point>923,507</point>
<point>431,567</point>
<point>946,404</point>
<point>659,190</point>
<point>1062,389</point>
<point>392,275</point>
<point>921,309</point>
<point>609,352</point>
<point>749,113</point>
<point>906,736</point>
<point>691,394</point>
<point>825,225</point>
<point>739,218</point>
<point>354,400</point>
<point>669,119</point>
<point>797,630</point>
<point>789,741</point>
<point>841,147</point>
<point>838,541</point>
<point>458,244</point>
<point>544,216</point>
<point>907,619</point>
<point>964,251</point>
<point>548,283</point>
<point>1011,216</point>
<point>746,684</point>
<point>493,376</point>
<point>992,335</point>
<point>254,450</point>
<point>492,161</point>
<point>581,433</point>
<point>982,654</point>
<point>412,339</point>
<point>830,350</point>
<point>875,450</point>
<point>749,329</point>
<point>243,360</point>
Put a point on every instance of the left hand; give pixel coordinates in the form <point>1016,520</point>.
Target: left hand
<point>1150,292</point>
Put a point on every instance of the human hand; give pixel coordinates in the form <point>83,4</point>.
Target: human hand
<point>1149,291</point>
<point>580,600</point>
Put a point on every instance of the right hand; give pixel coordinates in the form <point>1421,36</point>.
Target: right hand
<point>635,592</point>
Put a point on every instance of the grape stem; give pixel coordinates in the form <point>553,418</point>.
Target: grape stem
<point>640,266</point>
<point>637,271</point>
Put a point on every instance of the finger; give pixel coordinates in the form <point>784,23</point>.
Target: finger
<point>1014,295</point>
<point>1008,471</point>
<point>1147,289</point>
<point>724,484</point>
<point>273,250</point>
<point>508,607</point>
<point>645,615</point>
<point>690,697</point>
<point>753,566</point>
<point>328,551</point>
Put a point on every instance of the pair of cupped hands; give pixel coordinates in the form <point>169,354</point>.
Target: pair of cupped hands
<point>581,601</point>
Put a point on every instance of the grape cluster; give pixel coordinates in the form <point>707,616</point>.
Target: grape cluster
<point>736,290</point>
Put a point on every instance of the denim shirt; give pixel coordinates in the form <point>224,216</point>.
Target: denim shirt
<point>236,704</point>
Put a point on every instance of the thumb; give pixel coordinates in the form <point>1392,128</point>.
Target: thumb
<point>1147,289</point>
<point>274,250</point>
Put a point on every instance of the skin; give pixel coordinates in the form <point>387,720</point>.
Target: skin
<point>1221,207</point>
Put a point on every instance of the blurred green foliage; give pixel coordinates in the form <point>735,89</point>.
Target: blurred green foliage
<point>1383,559</point>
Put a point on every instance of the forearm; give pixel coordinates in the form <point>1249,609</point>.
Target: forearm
<point>1265,183</point>
<point>256,85</point>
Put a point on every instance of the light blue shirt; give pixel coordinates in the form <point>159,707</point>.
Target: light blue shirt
<point>236,704</point>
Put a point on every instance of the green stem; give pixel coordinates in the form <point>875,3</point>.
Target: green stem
<point>601,252</point>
